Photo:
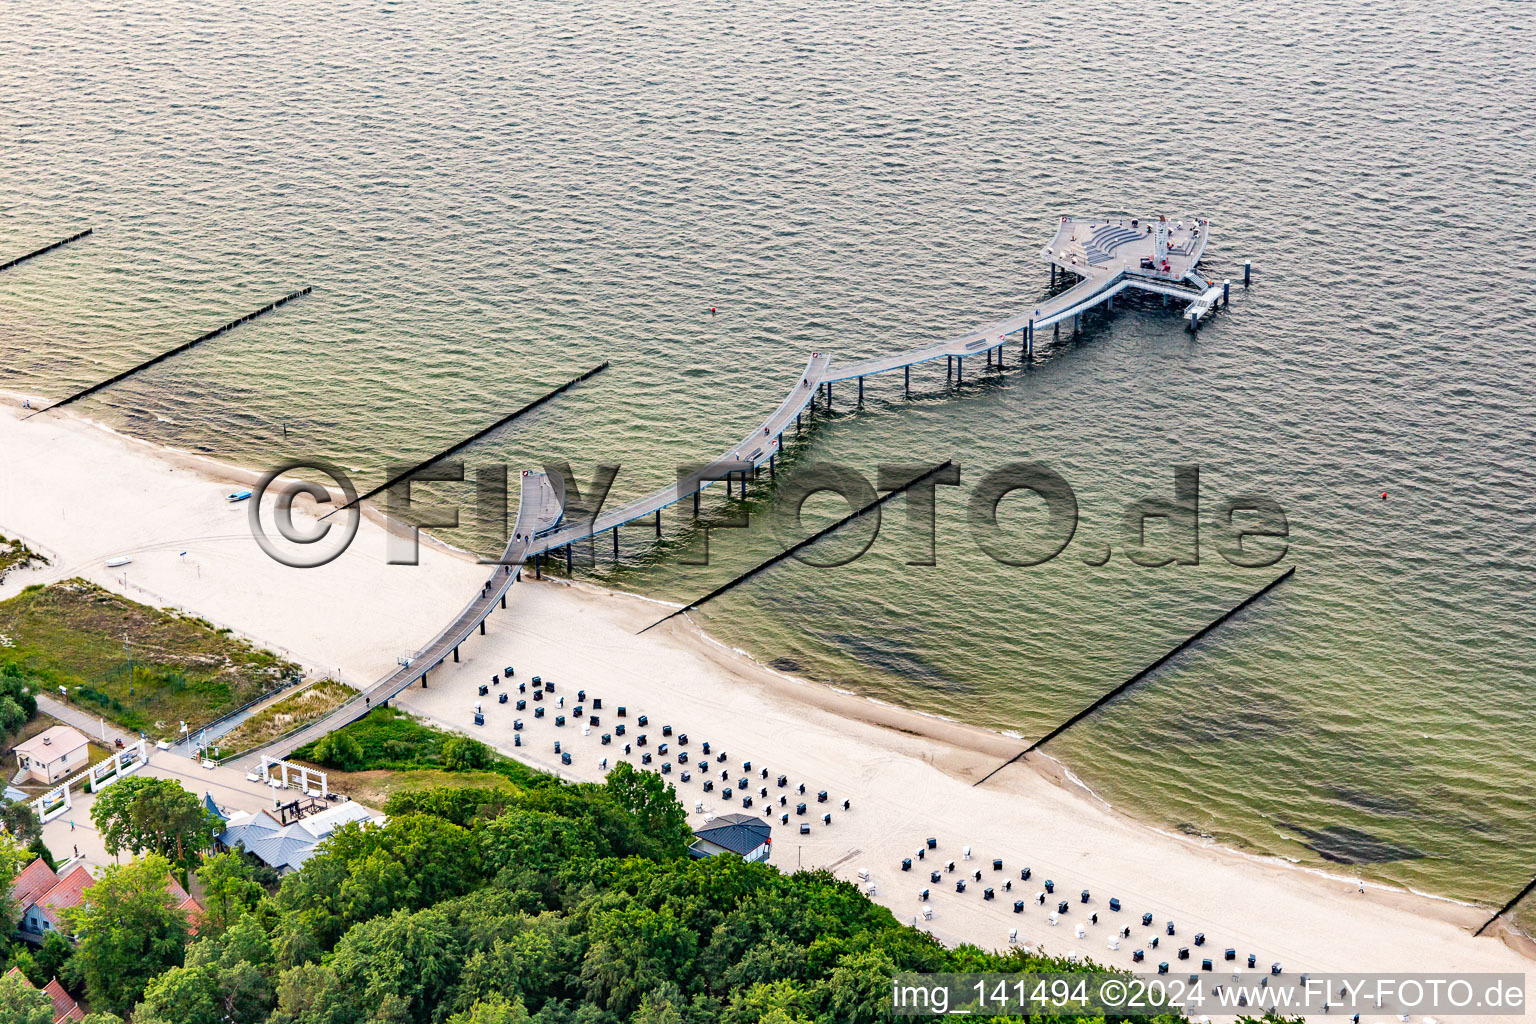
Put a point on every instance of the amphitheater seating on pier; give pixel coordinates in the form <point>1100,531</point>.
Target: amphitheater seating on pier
<point>1106,239</point>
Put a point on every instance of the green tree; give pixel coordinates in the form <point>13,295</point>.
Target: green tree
<point>12,859</point>
<point>462,754</point>
<point>144,814</point>
<point>130,931</point>
<point>181,995</point>
<point>229,891</point>
<point>20,821</point>
<point>20,1003</point>
<point>494,1010</point>
<point>339,750</point>
<point>17,704</point>
<point>653,803</point>
<point>226,980</point>
<point>860,987</point>
<point>53,957</point>
<point>462,805</point>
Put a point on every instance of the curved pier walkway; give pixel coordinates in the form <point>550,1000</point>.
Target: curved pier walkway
<point>1108,256</point>
<point>538,509</point>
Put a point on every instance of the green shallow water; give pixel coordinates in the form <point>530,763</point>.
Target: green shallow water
<point>487,201</point>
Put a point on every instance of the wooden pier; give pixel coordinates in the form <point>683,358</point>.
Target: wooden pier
<point>1107,256</point>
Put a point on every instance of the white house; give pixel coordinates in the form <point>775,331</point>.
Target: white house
<point>53,754</point>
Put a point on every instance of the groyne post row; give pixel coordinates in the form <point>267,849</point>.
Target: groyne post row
<point>1139,676</point>
<point>8,264</point>
<point>184,346</point>
<point>472,438</point>
<point>1506,908</point>
<point>857,513</point>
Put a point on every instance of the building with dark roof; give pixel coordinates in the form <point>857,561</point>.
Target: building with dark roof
<point>747,837</point>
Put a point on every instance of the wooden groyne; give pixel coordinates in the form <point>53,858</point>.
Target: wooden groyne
<point>1139,676</point>
<point>1506,908</point>
<point>146,364</point>
<point>472,438</point>
<point>857,513</point>
<point>47,248</point>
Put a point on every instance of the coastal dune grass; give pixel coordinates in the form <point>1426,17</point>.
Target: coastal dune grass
<point>298,709</point>
<point>15,555</point>
<point>81,637</point>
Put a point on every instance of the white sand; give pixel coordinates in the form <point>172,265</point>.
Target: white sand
<point>87,494</point>
<point>82,494</point>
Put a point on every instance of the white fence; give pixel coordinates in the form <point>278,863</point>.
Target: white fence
<point>123,762</point>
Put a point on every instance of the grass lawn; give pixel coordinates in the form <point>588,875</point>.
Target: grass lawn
<point>314,701</point>
<point>391,739</point>
<point>373,788</point>
<point>76,635</point>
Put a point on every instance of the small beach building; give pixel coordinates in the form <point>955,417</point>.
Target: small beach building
<point>53,754</point>
<point>285,848</point>
<point>64,1006</point>
<point>747,837</point>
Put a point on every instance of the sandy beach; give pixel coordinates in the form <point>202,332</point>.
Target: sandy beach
<point>83,494</point>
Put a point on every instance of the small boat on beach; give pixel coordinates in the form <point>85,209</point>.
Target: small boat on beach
<point>239,495</point>
<point>113,563</point>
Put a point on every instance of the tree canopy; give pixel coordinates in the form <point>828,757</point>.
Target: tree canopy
<point>129,931</point>
<point>142,814</point>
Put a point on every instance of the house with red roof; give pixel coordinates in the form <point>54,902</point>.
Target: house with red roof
<point>46,912</point>
<point>43,896</point>
<point>64,1007</point>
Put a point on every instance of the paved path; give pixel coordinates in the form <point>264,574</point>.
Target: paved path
<point>91,725</point>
